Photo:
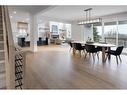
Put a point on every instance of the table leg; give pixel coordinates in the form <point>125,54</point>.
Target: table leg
<point>74,50</point>
<point>103,54</point>
<point>109,56</point>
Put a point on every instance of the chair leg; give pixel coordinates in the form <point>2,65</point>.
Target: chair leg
<point>84,51</point>
<point>85,55</point>
<point>80,52</point>
<point>120,58</point>
<point>97,55</point>
<point>93,56</point>
<point>117,59</point>
<point>89,54</point>
<point>106,57</point>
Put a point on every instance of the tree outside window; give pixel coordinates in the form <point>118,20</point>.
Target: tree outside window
<point>96,36</point>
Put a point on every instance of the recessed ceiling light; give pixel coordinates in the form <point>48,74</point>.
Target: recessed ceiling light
<point>14,12</point>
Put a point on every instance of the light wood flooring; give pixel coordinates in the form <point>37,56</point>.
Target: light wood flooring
<point>54,67</point>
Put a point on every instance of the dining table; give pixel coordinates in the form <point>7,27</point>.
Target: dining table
<point>103,45</point>
<point>100,44</point>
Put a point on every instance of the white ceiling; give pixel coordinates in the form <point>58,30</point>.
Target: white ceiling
<point>34,9</point>
<point>22,12</point>
<point>70,13</point>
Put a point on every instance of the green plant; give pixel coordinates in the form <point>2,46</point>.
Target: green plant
<point>96,37</point>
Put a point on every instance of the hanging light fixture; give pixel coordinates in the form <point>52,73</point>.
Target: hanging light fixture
<point>88,19</point>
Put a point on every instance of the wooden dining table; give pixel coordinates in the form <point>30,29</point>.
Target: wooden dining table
<point>103,45</point>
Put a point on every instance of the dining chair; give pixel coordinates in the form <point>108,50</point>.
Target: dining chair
<point>79,47</point>
<point>116,53</point>
<point>99,48</point>
<point>91,49</point>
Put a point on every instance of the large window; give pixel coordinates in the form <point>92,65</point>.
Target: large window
<point>97,33</point>
<point>122,35</point>
<point>110,31</point>
<point>114,33</point>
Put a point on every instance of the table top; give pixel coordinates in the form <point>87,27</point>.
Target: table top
<point>102,44</point>
<point>96,44</point>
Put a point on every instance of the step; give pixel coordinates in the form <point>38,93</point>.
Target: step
<point>1,50</point>
<point>2,56</point>
<point>2,80</point>
<point>2,61</point>
<point>1,42</point>
<point>2,67</point>
<point>1,45</point>
<point>1,19</point>
<point>1,31</point>
<point>1,24</point>
<point>1,37</point>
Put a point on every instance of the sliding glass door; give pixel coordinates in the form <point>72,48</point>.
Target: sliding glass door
<point>122,35</point>
<point>110,32</point>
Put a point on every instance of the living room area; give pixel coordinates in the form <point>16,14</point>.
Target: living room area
<point>56,64</point>
<point>48,30</point>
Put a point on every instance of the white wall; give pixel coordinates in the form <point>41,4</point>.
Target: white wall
<point>77,31</point>
<point>81,32</point>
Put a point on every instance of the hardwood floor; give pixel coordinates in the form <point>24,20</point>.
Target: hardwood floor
<point>54,67</point>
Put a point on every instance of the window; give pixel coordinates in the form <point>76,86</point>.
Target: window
<point>54,28</point>
<point>122,35</point>
<point>22,28</point>
<point>63,30</point>
<point>110,31</point>
<point>97,33</point>
<point>113,33</point>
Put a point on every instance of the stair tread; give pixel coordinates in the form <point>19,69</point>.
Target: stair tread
<point>1,50</point>
<point>2,61</point>
<point>1,34</point>
<point>1,41</point>
<point>2,80</point>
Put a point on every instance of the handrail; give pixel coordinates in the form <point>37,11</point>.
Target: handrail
<point>10,75</point>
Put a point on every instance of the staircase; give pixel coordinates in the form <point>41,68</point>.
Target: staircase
<point>2,56</point>
<point>12,58</point>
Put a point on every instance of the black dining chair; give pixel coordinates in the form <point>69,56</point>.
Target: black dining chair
<point>91,49</point>
<point>79,47</point>
<point>99,48</point>
<point>116,53</point>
